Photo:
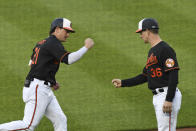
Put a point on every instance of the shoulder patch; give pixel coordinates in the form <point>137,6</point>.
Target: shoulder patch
<point>169,62</point>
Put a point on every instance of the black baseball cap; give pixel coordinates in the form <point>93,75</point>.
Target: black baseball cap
<point>62,23</point>
<point>147,23</point>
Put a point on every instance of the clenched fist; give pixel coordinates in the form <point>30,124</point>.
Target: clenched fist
<point>117,83</point>
<point>88,43</point>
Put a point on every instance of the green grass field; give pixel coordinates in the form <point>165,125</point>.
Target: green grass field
<point>87,96</point>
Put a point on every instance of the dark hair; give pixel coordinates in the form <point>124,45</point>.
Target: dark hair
<point>154,31</point>
<point>52,30</point>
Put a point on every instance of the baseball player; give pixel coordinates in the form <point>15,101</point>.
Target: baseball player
<point>161,73</point>
<point>40,82</point>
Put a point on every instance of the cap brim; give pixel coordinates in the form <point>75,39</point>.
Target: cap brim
<point>70,29</point>
<point>138,31</point>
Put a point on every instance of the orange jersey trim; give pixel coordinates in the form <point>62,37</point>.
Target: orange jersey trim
<point>63,56</point>
<point>170,121</point>
<point>172,69</point>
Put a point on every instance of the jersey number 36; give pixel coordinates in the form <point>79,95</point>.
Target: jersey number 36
<point>156,72</point>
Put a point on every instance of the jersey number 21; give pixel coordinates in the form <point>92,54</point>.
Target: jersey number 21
<point>35,56</point>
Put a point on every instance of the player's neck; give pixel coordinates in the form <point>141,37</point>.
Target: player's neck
<point>155,40</point>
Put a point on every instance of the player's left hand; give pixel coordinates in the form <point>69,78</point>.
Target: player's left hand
<point>56,87</point>
<point>167,107</point>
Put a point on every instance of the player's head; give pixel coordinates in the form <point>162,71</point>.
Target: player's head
<point>146,27</point>
<point>61,23</point>
<point>148,24</point>
<point>61,27</point>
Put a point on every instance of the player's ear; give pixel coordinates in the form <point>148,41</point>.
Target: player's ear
<point>148,32</point>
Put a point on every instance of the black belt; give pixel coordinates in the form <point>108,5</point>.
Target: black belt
<point>155,92</point>
<point>28,82</point>
<point>47,83</point>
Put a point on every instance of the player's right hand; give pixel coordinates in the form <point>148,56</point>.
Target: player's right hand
<point>56,86</point>
<point>117,83</point>
<point>88,43</point>
<point>167,107</point>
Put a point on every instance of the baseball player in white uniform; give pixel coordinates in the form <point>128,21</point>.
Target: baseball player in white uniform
<point>40,82</point>
<point>161,73</point>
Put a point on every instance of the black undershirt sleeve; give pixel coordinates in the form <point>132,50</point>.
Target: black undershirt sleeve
<point>172,84</point>
<point>140,79</point>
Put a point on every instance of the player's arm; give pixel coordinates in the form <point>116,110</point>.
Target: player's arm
<point>171,67</point>
<point>139,79</point>
<point>58,51</point>
<point>172,84</point>
<point>75,56</point>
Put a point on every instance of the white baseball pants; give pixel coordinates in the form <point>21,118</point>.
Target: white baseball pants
<point>167,121</point>
<point>39,101</point>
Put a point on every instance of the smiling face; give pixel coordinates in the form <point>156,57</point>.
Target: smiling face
<point>61,34</point>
